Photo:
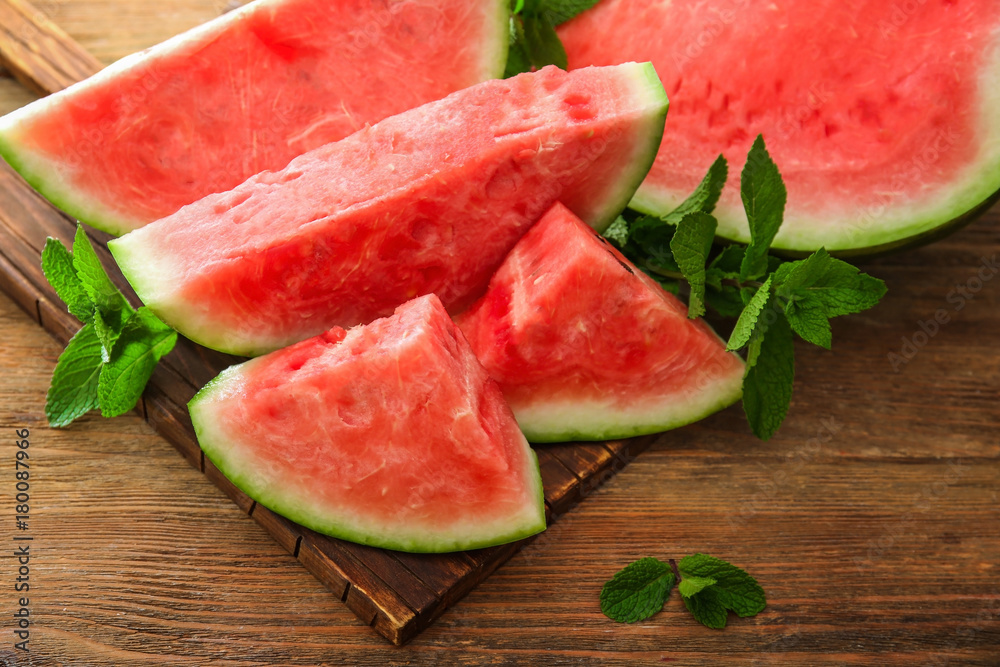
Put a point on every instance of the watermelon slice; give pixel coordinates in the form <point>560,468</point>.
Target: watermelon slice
<point>249,91</point>
<point>884,117</point>
<point>587,347</point>
<point>428,201</point>
<point>390,434</point>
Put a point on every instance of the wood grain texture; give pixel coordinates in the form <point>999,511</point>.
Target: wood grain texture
<point>37,52</point>
<point>872,519</point>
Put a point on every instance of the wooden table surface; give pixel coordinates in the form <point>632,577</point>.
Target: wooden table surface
<point>872,519</point>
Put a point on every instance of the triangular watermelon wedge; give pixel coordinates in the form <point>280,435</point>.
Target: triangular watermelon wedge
<point>249,91</point>
<point>428,201</point>
<point>391,434</point>
<point>587,347</point>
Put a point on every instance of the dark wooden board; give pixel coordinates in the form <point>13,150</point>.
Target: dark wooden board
<point>397,594</point>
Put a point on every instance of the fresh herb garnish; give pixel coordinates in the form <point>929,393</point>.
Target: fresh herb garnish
<point>533,39</point>
<point>710,588</point>
<point>770,297</point>
<point>108,362</point>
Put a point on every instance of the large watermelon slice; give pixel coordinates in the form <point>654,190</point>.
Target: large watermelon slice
<point>884,117</point>
<point>246,92</point>
<point>428,201</point>
<point>391,434</point>
<point>587,347</point>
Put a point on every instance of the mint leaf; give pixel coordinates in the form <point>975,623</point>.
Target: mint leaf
<point>142,343</point>
<point>770,372</point>
<point>73,391</point>
<point>820,287</point>
<point>748,318</point>
<point>706,195</point>
<point>725,302</point>
<point>764,195</point>
<point>560,11</point>
<point>652,235</point>
<point>518,60</point>
<point>618,232</point>
<point>690,247</point>
<point>533,40</point>
<point>832,284</point>
<point>109,325</point>
<point>541,43</point>
<point>57,265</point>
<point>707,608</point>
<point>727,263</point>
<point>810,323</point>
<point>99,288</point>
<point>732,589</point>
<point>691,585</point>
<point>638,591</point>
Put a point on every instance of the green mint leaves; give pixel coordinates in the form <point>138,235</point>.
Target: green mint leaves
<point>730,589</point>
<point>764,195</point>
<point>691,244</point>
<point>710,588</point>
<point>533,39</point>
<point>108,362</point>
<point>638,591</point>
<point>772,299</point>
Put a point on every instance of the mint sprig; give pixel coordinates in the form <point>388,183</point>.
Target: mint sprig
<point>533,39</point>
<point>108,362</point>
<point>770,297</point>
<point>710,588</point>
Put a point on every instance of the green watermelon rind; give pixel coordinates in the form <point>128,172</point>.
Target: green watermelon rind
<point>214,444</point>
<point>44,174</point>
<point>583,420</point>
<point>650,88</point>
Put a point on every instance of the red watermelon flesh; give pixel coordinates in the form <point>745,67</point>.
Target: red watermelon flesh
<point>884,117</point>
<point>428,201</point>
<point>390,434</point>
<point>587,347</point>
<point>246,92</point>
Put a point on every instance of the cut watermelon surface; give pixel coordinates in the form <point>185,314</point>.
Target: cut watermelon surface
<point>587,347</point>
<point>391,434</point>
<point>428,201</point>
<point>883,117</point>
<point>246,92</point>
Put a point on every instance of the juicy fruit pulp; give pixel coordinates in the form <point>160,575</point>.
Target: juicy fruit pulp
<point>587,347</point>
<point>390,434</point>
<point>246,92</point>
<point>884,118</point>
<point>428,201</point>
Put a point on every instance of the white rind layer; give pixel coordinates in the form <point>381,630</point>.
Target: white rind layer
<point>597,419</point>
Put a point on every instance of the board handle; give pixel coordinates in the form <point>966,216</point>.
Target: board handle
<point>38,53</point>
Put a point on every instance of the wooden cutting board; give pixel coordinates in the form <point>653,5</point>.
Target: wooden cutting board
<point>398,594</point>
